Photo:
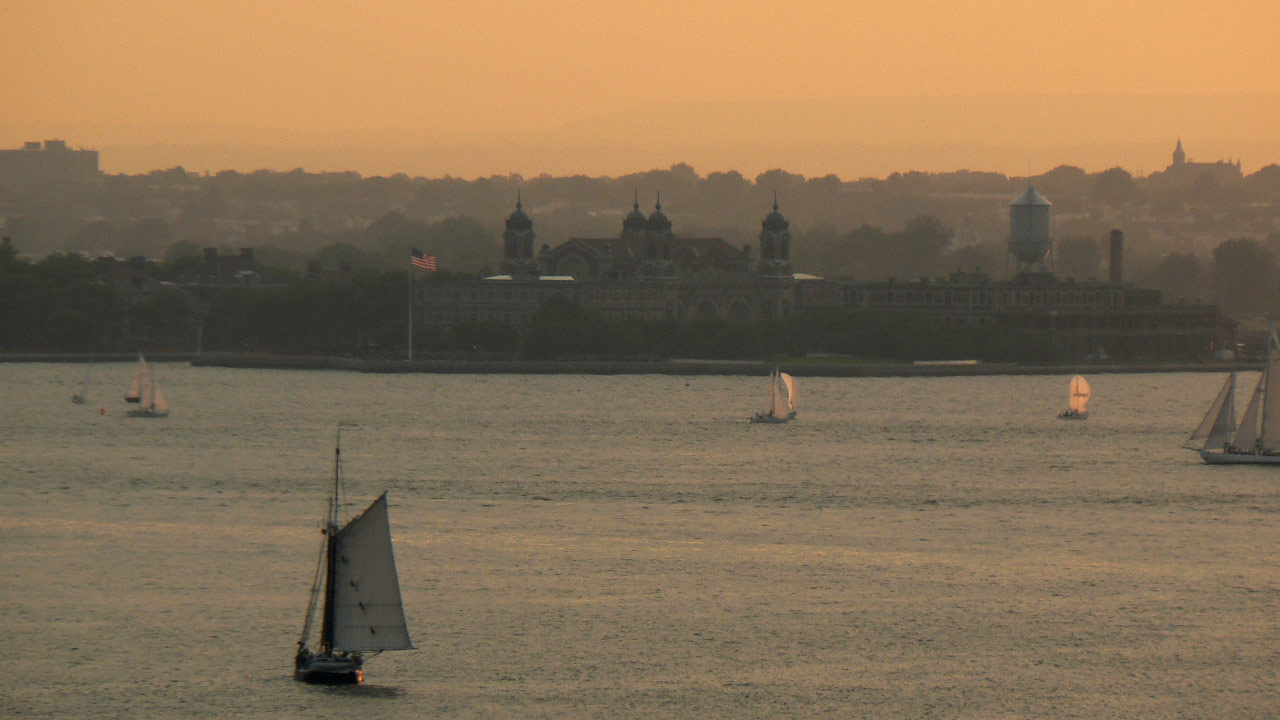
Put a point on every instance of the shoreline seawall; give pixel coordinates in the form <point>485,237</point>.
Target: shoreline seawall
<point>801,368</point>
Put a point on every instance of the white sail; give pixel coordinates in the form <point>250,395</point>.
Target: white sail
<point>1219,422</point>
<point>135,385</point>
<point>1247,434</point>
<point>771,398</point>
<point>1269,435</point>
<point>147,399</point>
<point>790,383</point>
<point>161,406</point>
<point>1079,394</point>
<point>368,613</point>
<point>775,394</point>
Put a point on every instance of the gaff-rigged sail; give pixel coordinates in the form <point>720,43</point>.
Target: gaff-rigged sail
<point>1079,394</point>
<point>368,613</point>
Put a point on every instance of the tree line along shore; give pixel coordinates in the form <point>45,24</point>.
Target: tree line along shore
<point>805,367</point>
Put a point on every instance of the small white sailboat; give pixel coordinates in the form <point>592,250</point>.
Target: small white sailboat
<point>1078,395</point>
<point>1255,440</point>
<point>361,610</point>
<point>775,409</point>
<point>146,392</point>
<point>80,397</point>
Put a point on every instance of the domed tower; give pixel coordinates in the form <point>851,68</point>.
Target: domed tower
<point>1029,239</point>
<point>517,243</point>
<point>634,224</point>
<point>775,242</point>
<point>658,229</point>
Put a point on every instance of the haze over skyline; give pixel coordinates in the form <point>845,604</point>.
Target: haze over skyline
<point>855,89</point>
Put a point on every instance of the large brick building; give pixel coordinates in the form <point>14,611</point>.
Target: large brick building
<point>649,272</point>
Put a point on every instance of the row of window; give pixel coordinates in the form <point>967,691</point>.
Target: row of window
<point>614,296</point>
<point>982,298</point>
<point>454,317</point>
<point>458,294</point>
<point>508,294</point>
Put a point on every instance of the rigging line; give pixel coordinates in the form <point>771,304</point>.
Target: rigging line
<point>342,488</point>
<point>315,592</point>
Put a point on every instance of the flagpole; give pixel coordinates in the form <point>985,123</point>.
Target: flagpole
<point>410,358</point>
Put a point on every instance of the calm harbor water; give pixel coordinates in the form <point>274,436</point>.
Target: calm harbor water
<point>576,546</point>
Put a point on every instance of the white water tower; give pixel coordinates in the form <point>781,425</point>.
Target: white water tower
<point>1029,239</point>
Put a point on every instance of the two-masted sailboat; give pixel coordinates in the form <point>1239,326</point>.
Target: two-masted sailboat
<point>1255,440</point>
<point>358,591</point>
<point>776,409</point>
<point>1078,394</point>
<point>144,390</point>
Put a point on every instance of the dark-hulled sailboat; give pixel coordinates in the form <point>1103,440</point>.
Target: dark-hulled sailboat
<point>361,609</point>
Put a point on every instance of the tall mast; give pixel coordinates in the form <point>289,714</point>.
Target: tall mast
<point>1265,384</point>
<point>331,529</point>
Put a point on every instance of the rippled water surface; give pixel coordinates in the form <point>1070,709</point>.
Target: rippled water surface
<point>632,547</point>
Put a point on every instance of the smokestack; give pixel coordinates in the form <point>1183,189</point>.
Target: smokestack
<point>1117,256</point>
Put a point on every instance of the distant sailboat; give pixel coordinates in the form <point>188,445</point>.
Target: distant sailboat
<point>1255,440</point>
<point>80,397</point>
<point>361,609</point>
<point>790,384</point>
<point>146,392</point>
<point>775,409</point>
<point>1078,394</point>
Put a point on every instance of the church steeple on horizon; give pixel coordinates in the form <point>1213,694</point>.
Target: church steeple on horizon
<point>1179,157</point>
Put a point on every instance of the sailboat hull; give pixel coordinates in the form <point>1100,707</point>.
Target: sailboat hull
<point>147,413</point>
<point>329,669</point>
<point>1071,415</point>
<point>768,419</point>
<point>1222,457</point>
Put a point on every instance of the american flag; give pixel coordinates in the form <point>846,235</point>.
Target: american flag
<point>426,262</point>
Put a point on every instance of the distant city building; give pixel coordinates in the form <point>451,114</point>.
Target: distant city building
<point>648,272</point>
<point>50,163</point>
<point>221,270</point>
<point>131,278</point>
<point>1185,172</point>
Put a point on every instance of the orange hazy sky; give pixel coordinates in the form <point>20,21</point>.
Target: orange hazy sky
<point>477,87</point>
